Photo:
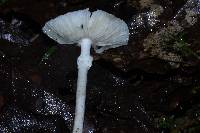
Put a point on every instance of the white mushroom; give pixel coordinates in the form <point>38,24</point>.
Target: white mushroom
<point>98,29</point>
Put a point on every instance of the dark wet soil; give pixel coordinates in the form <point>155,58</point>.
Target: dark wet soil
<point>128,90</point>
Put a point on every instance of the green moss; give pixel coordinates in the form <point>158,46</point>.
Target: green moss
<point>196,90</point>
<point>178,44</point>
<point>182,46</point>
<point>165,122</point>
<point>189,122</point>
<point>3,2</point>
<point>49,53</point>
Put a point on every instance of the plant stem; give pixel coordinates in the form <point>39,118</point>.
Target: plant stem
<point>84,63</point>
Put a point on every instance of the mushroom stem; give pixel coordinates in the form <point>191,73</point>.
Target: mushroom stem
<point>84,63</point>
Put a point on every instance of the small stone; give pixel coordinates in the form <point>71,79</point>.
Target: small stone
<point>118,59</point>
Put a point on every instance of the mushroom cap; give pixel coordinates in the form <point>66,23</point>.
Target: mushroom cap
<point>105,30</point>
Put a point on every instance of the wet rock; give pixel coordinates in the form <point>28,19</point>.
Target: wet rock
<point>112,97</point>
<point>35,101</point>
<point>5,75</point>
<point>16,120</point>
<point>128,87</point>
<point>2,102</point>
<point>16,29</point>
